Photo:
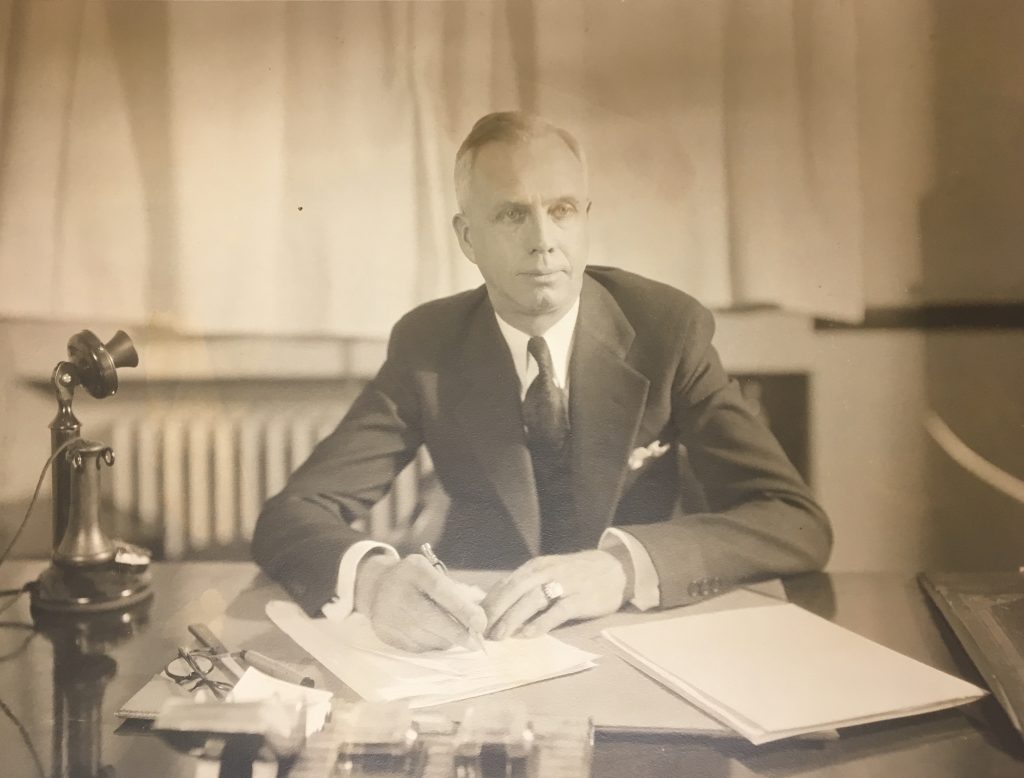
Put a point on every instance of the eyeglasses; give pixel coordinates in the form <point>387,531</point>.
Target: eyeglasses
<point>196,665</point>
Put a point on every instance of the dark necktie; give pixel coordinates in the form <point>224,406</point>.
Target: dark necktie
<point>547,434</point>
<point>544,412</point>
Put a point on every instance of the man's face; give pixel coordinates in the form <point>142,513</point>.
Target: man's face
<point>525,227</point>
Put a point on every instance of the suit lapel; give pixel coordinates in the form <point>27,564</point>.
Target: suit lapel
<point>606,402</point>
<point>489,413</point>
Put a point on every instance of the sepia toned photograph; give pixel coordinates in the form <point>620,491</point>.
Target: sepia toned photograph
<point>511,388</point>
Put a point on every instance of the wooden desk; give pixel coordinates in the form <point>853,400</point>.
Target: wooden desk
<point>65,691</point>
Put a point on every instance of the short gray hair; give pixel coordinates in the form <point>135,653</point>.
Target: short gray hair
<point>507,127</point>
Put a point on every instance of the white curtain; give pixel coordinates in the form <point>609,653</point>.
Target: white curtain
<point>284,168</point>
<point>723,143</point>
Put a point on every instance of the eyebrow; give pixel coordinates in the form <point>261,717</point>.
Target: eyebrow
<point>510,204</point>
<point>570,199</point>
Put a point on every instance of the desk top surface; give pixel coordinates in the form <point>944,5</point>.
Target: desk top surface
<point>64,690</point>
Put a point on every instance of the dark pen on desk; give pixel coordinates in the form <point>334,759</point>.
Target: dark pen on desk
<point>440,566</point>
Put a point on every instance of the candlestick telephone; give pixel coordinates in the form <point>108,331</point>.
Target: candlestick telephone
<point>90,571</point>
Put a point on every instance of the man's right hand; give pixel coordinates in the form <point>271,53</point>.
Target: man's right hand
<point>413,606</point>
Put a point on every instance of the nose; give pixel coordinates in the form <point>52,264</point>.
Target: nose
<point>541,234</point>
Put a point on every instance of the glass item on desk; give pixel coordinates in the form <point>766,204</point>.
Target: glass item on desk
<point>494,741</point>
<point>376,739</point>
<point>195,666</point>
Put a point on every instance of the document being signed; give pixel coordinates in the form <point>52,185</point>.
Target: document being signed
<point>351,650</point>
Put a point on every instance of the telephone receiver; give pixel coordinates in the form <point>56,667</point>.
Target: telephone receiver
<point>90,571</point>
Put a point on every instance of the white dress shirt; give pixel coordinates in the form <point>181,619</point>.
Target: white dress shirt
<point>559,337</point>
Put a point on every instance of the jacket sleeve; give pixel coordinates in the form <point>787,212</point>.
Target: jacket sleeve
<point>762,520</point>
<point>302,533</point>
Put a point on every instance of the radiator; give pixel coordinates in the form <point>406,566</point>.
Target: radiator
<point>191,481</point>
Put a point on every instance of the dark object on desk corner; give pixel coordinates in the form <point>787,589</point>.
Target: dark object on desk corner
<point>986,611</point>
<point>90,572</point>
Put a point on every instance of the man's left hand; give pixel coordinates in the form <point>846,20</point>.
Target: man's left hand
<point>593,584</point>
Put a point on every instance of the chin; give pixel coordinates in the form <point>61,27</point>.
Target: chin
<point>546,304</point>
<point>542,300</point>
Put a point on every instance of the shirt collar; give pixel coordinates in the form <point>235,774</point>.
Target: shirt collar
<point>559,339</point>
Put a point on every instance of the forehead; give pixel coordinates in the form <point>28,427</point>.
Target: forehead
<point>538,167</point>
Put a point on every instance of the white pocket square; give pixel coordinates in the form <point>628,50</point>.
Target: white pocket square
<point>643,453</point>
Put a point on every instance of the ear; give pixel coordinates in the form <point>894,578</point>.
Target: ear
<point>461,227</point>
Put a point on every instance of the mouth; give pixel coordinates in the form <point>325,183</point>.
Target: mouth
<point>542,275</point>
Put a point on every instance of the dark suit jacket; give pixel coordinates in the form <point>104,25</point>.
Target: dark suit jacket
<point>642,369</point>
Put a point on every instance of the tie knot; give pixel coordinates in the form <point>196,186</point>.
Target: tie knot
<point>538,348</point>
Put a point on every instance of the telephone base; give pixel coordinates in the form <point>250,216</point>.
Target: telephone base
<point>66,589</point>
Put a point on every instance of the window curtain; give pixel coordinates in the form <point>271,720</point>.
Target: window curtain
<point>723,143</point>
<point>285,168</point>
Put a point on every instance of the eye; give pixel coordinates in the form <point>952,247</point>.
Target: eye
<point>511,215</point>
<point>563,211</point>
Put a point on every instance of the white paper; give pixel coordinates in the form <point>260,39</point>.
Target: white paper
<point>778,671</point>
<point>255,686</point>
<point>381,673</point>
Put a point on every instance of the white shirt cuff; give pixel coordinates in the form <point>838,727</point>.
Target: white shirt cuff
<point>646,586</point>
<point>345,598</point>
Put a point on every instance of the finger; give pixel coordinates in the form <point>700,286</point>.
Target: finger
<point>559,613</point>
<point>451,600</point>
<point>449,596</point>
<point>537,568</point>
<point>401,610</point>
<point>408,638</point>
<point>427,640</point>
<point>417,639</point>
<point>419,628</point>
<point>525,608</point>
<point>431,617</point>
<point>417,624</point>
<point>507,593</point>
<point>526,570</point>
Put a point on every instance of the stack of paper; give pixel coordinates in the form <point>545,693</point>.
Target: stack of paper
<point>254,686</point>
<point>257,704</point>
<point>778,671</point>
<point>381,673</point>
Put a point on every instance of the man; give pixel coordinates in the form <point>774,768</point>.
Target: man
<point>558,403</point>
